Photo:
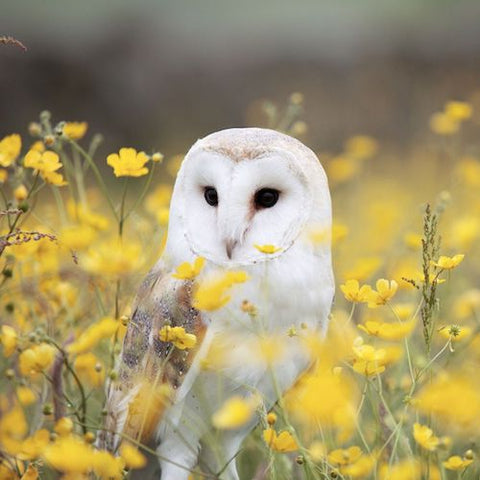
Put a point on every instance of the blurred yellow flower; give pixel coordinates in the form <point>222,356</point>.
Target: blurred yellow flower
<point>458,111</point>
<point>26,396</point>
<point>111,257</point>
<point>105,328</point>
<point>63,426</point>
<point>388,331</point>
<point>413,240</point>
<point>456,463</point>
<point>361,147</point>
<point>442,124</point>
<point>178,337</point>
<point>128,163</point>
<point>82,214</point>
<point>75,130</point>
<point>106,466</point>
<point>340,169</point>
<point>354,293</point>
<point>468,169</point>
<point>36,359</point>
<point>54,178</point>
<point>447,263</point>
<point>69,454</point>
<point>408,469</point>
<point>455,332</point>
<point>385,291</point>
<point>211,294</point>
<point>132,457</point>
<point>467,304</point>
<point>8,338</point>
<point>344,456</point>
<point>3,175</point>
<point>234,413</point>
<point>90,369</point>
<point>352,462</point>
<point>10,147</point>
<point>20,193</point>
<point>424,437</point>
<point>283,442</point>
<point>188,271</point>
<point>77,237</point>
<point>362,268</point>
<point>33,446</point>
<point>268,249</point>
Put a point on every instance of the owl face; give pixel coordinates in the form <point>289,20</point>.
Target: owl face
<point>240,188</point>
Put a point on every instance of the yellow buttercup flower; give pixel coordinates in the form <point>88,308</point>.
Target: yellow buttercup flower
<point>36,359</point>
<point>234,413</point>
<point>178,337</point>
<point>385,291</point>
<point>128,163</point>
<point>32,447</point>
<point>3,175</point>
<point>64,426</point>
<point>282,443</point>
<point>388,331</point>
<point>10,147</point>
<point>368,360</point>
<point>8,338</point>
<point>105,328</point>
<point>424,437</point>
<point>456,463</point>
<point>354,293</point>
<point>26,396</point>
<point>447,263</point>
<point>75,130</point>
<point>54,178</point>
<point>132,457</point>
<point>69,454</point>
<point>345,456</point>
<point>363,268</point>
<point>361,147</point>
<point>352,462</point>
<point>83,215</point>
<point>268,249</point>
<point>188,271</point>
<point>42,161</point>
<point>212,294</point>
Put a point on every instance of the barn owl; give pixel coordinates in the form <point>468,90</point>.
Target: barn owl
<point>236,189</point>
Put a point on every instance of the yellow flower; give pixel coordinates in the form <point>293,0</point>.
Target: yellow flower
<point>343,457</point>
<point>404,470</point>
<point>424,437</point>
<point>368,360</point>
<point>33,360</point>
<point>458,111</point>
<point>340,169</point>
<point>132,457</point>
<point>54,178</point>
<point>64,426</point>
<point>31,473</point>
<point>363,268</point>
<point>33,446</point>
<point>455,332</point>
<point>268,249</point>
<point>42,161</point>
<point>447,263</point>
<point>188,271</point>
<point>10,147</point>
<point>388,331</point>
<point>128,163</point>
<point>157,157</point>
<point>112,257</point>
<point>80,213</point>
<point>283,442</point>
<point>20,193</point>
<point>413,240</point>
<point>89,369</point>
<point>354,293</point>
<point>385,291</point>
<point>361,147</point>
<point>77,237</point>
<point>212,294</point>
<point>105,328</point>
<point>75,130</point>
<point>442,124</point>
<point>13,428</point>
<point>3,175</point>
<point>178,336</point>
<point>106,466</point>
<point>467,304</point>
<point>8,338</point>
<point>455,462</point>
<point>69,454</point>
<point>26,395</point>
<point>234,413</point>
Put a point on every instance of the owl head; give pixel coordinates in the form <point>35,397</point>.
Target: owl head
<point>242,187</point>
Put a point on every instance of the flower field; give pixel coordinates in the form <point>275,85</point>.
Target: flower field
<point>392,392</point>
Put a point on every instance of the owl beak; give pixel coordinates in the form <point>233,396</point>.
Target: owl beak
<point>229,246</point>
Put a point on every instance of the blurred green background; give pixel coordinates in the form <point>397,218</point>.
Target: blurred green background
<point>159,74</point>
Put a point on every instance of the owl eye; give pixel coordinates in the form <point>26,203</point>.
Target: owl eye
<point>266,198</point>
<point>211,196</point>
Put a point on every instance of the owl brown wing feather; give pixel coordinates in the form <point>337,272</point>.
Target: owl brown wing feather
<point>150,370</point>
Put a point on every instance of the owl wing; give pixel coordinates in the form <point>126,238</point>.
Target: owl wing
<point>150,370</point>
